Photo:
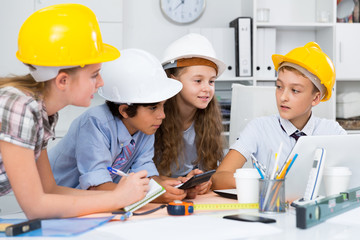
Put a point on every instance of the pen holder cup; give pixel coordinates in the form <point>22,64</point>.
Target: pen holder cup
<point>272,196</point>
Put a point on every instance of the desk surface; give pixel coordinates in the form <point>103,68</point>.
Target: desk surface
<point>286,222</point>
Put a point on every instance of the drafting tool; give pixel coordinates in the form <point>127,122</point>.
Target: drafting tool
<point>316,212</point>
<point>180,208</point>
<point>292,162</point>
<point>23,227</point>
<point>315,176</point>
<point>225,206</point>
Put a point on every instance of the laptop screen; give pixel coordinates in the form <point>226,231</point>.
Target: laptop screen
<point>341,150</point>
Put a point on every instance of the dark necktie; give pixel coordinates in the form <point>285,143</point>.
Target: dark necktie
<point>123,157</point>
<point>297,134</point>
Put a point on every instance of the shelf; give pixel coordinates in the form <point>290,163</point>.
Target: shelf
<point>297,26</point>
<point>353,131</point>
<point>266,79</point>
<point>225,133</point>
<point>221,79</point>
<point>349,79</point>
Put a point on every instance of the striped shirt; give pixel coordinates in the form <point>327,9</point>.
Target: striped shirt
<point>263,135</point>
<point>25,123</point>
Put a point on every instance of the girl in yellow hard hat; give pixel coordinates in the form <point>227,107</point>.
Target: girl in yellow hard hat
<point>306,76</point>
<point>63,48</point>
<point>189,141</point>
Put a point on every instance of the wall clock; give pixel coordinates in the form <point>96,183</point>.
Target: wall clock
<point>182,11</point>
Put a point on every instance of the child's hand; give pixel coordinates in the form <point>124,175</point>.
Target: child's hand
<point>189,175</point>
<point>199,189</point>
<point>193,173</point>
<point>172,193</point>
<point>133,188</point>
<point>204,187</point>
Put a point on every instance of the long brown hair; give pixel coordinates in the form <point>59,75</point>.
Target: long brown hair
<point>169,137</point>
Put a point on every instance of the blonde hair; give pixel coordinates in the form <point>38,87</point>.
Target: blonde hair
<point>169,137</point>
<point>24,83</point>
<point>28,84</point>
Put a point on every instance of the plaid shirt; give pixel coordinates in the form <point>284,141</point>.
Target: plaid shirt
<point>24,122</point>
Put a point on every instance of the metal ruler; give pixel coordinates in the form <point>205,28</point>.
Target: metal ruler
<point>225,206</point>
<point>313,213</point>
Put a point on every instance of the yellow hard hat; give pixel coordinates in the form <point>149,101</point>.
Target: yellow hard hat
<point>63,35</point>
<point>313,59</point>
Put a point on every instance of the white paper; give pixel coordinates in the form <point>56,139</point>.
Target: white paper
<point>185,227</point>
<point>348,218</point>
<point>155,190</point>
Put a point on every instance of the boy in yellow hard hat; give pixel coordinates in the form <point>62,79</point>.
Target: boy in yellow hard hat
<point>306,76</point>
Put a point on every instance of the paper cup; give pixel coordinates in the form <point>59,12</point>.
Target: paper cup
<point>336,180</point>
<point>247,185</point>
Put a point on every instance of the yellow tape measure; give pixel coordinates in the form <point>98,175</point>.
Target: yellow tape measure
<point>225,206</point>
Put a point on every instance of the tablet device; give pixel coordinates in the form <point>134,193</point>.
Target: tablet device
<point>196,180</point>
<point>249,218</point>
<point>227,193</point>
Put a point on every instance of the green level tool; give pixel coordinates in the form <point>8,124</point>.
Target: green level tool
<point>316,212</point>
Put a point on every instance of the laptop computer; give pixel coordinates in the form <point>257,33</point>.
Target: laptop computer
<point>341,150</point>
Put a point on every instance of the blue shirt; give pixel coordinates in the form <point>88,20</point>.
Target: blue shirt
<point>262,136</point>
<point>93,142</point>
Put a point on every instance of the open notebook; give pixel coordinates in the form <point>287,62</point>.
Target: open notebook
<point>155,191</point>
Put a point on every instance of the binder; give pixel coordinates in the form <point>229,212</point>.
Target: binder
<point>259,68</point>
<point>266,47</point>
<point>243,46</point>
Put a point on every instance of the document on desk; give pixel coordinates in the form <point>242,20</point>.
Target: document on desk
<point>349,218</point>
<point>65,227</point>
<point>197,227</point>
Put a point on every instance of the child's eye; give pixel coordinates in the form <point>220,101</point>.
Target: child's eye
<point>153,107</point>
<point>95,75</point>
<point>278,86</point>
<point>212,82</point>
<point>197,80</point>
<point>295,91</point>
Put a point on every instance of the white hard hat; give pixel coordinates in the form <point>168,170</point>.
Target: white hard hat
<point>136,77</point>
<point>190,46</point>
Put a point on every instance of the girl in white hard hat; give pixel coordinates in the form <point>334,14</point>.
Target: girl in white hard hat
<point>189,141</point>
<point>120,133</point>
<point>64,63</point>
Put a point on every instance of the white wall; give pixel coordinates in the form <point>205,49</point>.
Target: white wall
<point>144,26</point>
<point>12,14</point>
<point>141,25</point>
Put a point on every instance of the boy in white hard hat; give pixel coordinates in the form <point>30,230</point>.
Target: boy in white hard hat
<point>118,134</point>
<point>306,76</point>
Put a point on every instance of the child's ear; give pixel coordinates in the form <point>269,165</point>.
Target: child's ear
<point>62,80</point>
<point>122,110</point>
<point>316,99</point>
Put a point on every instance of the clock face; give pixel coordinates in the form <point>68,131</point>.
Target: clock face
<point>182,11</point>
